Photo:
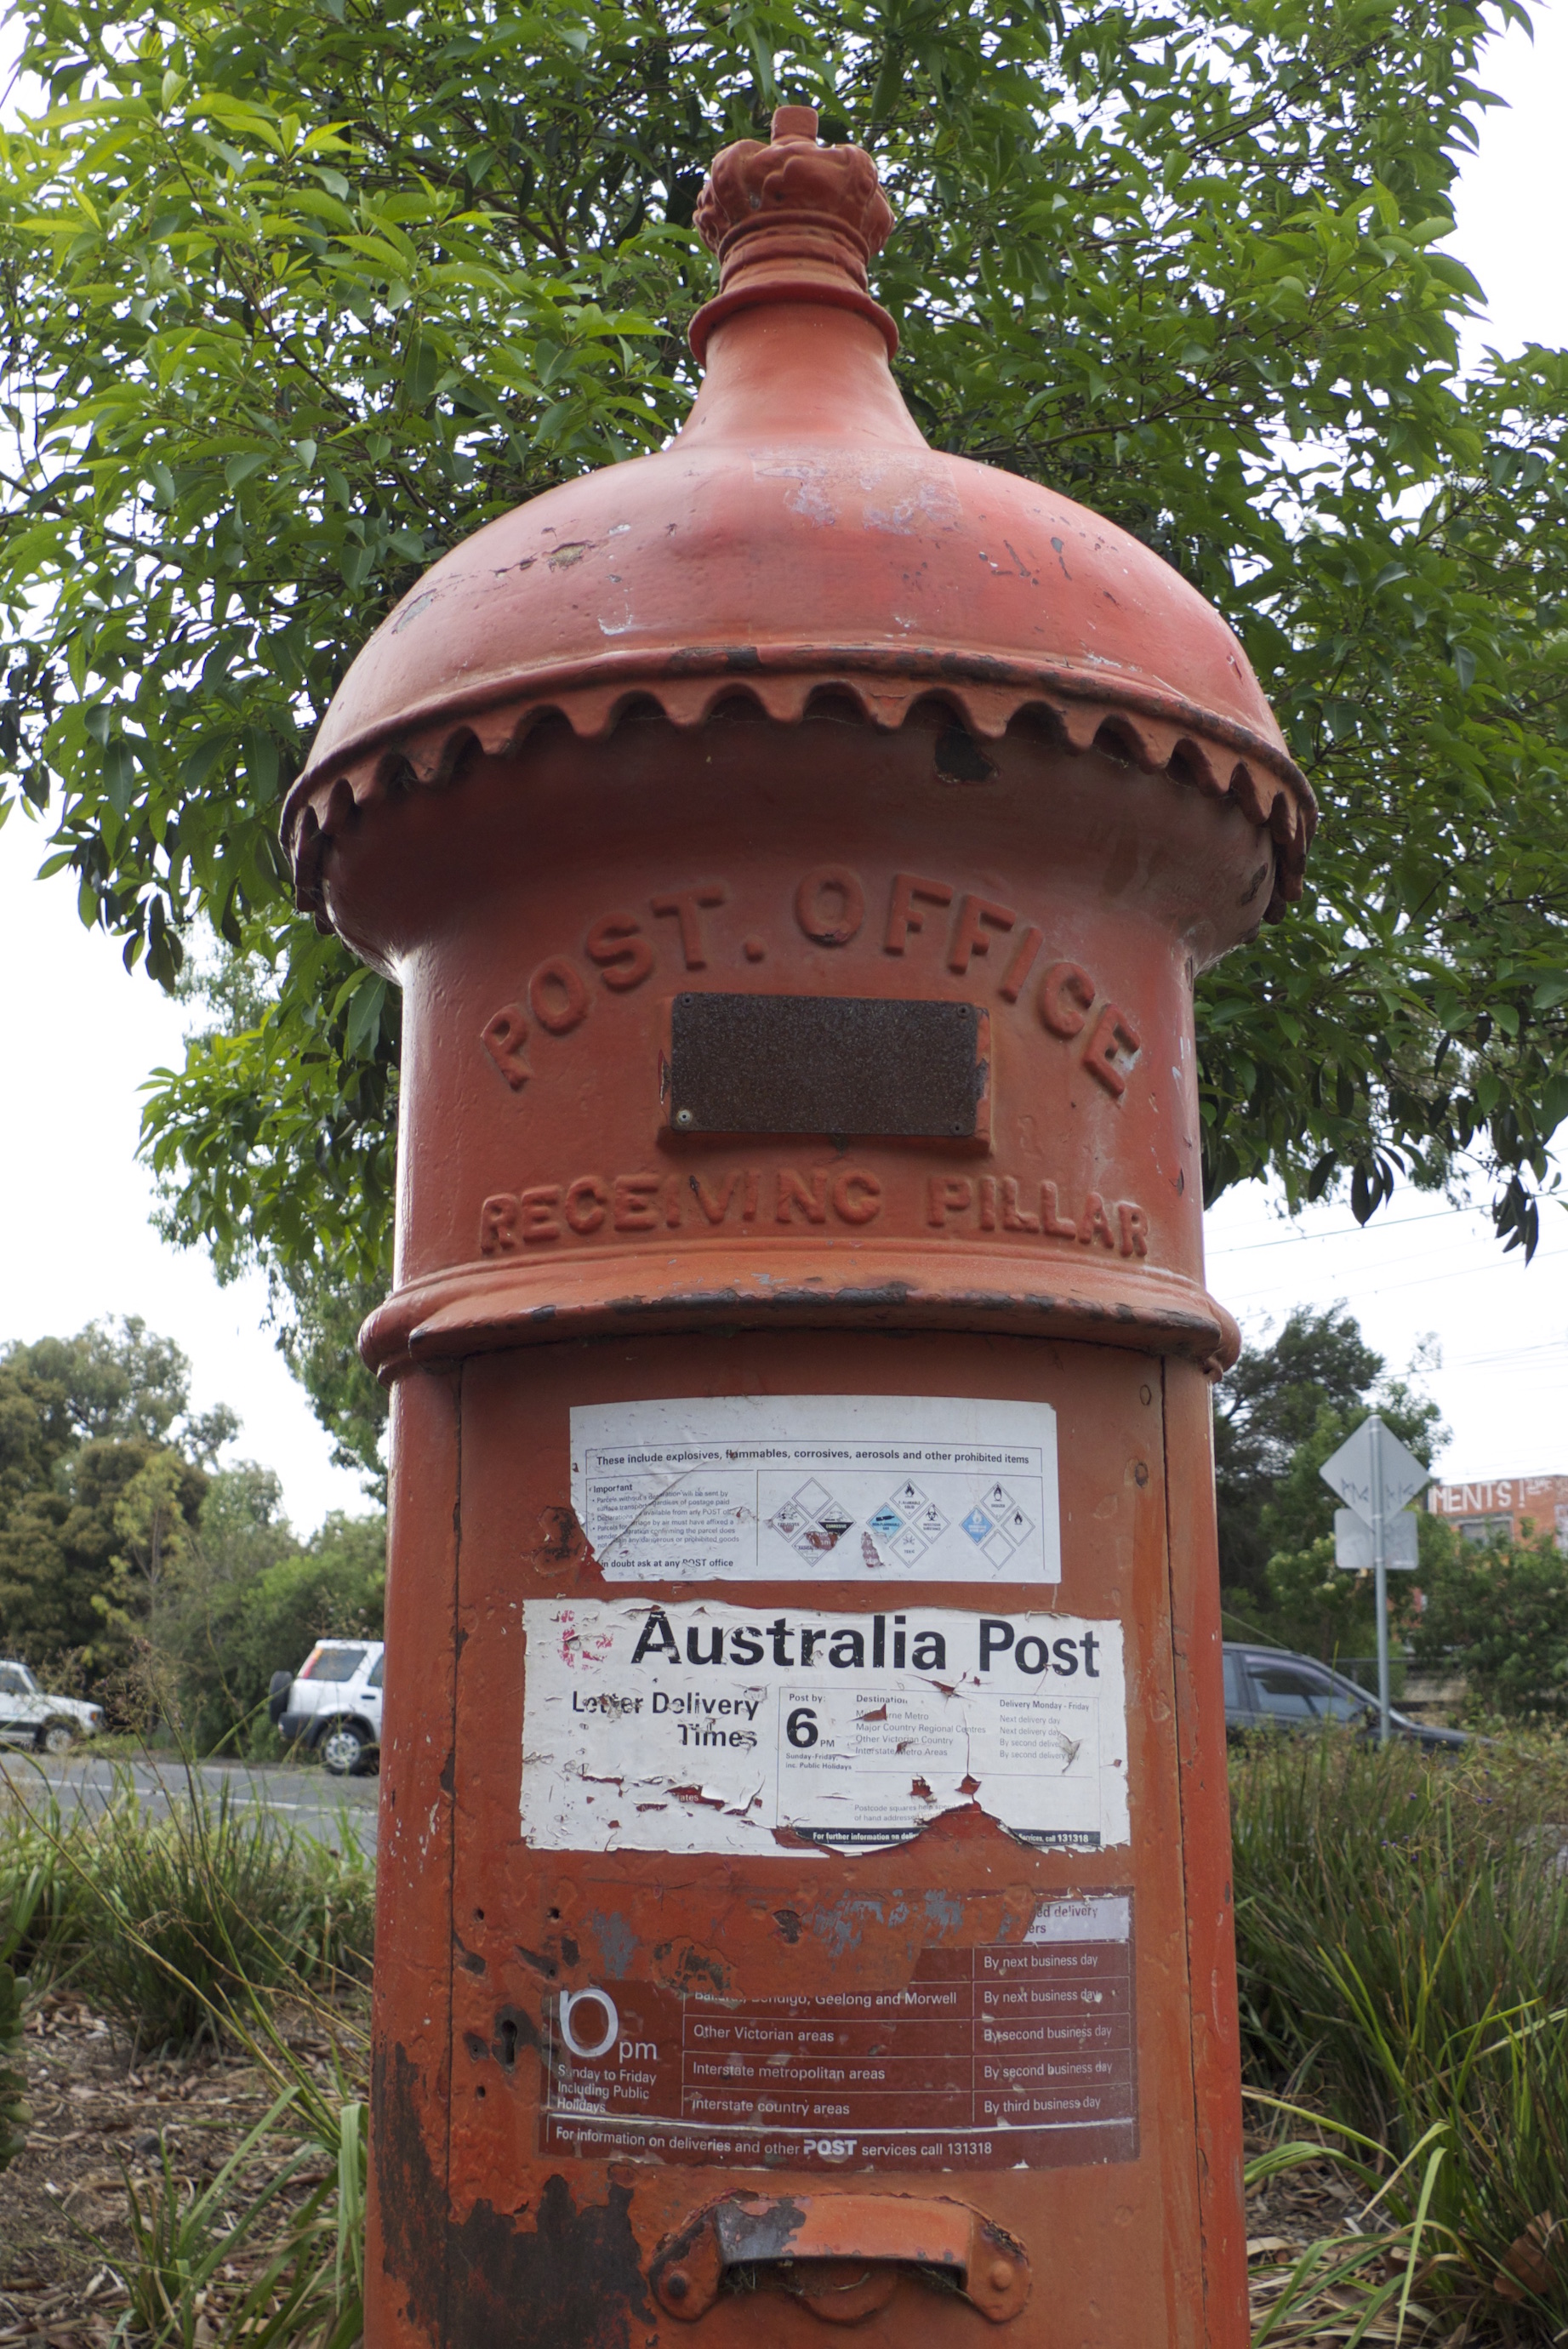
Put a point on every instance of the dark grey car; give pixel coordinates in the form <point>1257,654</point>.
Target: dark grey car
<point>1272,1688</point>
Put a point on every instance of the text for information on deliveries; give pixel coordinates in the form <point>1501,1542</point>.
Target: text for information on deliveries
<point>989,2057</point>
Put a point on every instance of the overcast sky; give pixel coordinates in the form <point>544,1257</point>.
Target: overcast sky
<point>79,1037</point>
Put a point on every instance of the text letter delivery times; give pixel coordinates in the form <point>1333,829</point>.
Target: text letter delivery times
<point>988,2058</point>
<point>694,1726</point>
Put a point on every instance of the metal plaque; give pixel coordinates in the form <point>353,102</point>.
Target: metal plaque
<point>828,1065</point>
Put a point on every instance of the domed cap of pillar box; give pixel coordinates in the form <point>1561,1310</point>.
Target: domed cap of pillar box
<point>798,536</point>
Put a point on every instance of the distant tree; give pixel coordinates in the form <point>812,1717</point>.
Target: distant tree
<point>150,1523</point>
<point>333,1587</point>
<point>318,1303</point>
<point>1264,1410</point>
<point>1497,1612</point>
<point>253,1599</point>
<point>130,1561</point>
<point>1294,1405</point>
<point>241,1534</point>
<point>88,1427</point>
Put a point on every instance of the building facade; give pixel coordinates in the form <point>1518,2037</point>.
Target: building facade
<point>1504,1507</point>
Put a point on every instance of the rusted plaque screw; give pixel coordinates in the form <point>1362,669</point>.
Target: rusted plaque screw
<point>1001,2276</point>
<point>678,2283</point>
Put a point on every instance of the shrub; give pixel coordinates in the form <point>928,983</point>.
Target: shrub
<point>15,2110</point>
<point>171,1926</point>
<point>1499,1614</point>
<point>1402,1928</point>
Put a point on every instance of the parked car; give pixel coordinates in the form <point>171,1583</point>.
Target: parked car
<point>30,1716</point>
<point>332,1705</point>
<point>1271,1688</point>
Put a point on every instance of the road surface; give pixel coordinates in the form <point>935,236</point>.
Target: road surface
<point>333,1810</point>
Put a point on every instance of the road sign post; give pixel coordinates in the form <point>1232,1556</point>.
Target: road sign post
<point>1375,1474</point>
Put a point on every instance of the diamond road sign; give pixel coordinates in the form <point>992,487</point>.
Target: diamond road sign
<point>1352,1542</point>
<point>1350,1471</point>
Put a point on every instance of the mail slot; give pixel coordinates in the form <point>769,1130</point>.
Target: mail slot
<point>804,1866</point>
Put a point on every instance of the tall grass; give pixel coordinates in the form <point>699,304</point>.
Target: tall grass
<point>170,1927</point>
<point>1403,1945</point>
<point>211,1924</point>
<point>307,2289</point>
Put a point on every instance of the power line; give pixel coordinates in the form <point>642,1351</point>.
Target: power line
<point>1511,1354</point>
<point>1422,1280</point>
<point>1341,1232</point>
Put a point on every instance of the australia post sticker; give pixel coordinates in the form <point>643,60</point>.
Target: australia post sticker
<point>792,1488</point>
<point>692,1726</point>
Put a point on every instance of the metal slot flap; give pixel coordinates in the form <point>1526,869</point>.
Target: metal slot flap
<point>842,2255</point>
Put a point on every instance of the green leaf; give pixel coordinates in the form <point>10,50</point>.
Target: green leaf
<point>365,1019</point>
<point>241,468</point>
<point>120,775</point>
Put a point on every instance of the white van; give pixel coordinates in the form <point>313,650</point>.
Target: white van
<point>332,1705</point>
<point>50,1724</point>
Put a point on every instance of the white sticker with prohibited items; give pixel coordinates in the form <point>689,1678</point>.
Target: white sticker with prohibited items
<point>666,1726</point>
<point>791,1488</point>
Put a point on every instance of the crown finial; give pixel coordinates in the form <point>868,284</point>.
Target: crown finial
<point>794,122</point>
<point>792,222</point>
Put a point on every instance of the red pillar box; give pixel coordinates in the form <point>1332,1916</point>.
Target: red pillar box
<point>805,1862</point>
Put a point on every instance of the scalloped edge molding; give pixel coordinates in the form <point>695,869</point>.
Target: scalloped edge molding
<point>1157,732</point>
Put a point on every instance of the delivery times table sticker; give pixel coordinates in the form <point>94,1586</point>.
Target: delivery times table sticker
<point>688,1726</point>
<point>790,1488</point>
<point>987,2058</point>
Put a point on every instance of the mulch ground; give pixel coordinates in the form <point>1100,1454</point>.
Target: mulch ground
<point>100,2120</point>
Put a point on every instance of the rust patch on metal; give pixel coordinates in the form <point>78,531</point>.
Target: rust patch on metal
<point>561,1537</point>
<point>572,2277</point>
<point>681,1966</point>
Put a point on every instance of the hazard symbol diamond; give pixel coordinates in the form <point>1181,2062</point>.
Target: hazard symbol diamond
<point>810,1520</point>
